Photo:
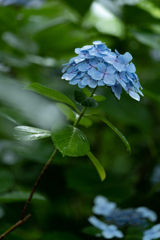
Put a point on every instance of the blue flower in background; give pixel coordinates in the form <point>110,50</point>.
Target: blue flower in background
<point>108,231</point>
<point>147,213</point>
<point>26,3</point>
<point>126,217</point>
<point>153,233</point>
<point>96,65</point>
<point>103,206</point>
<point>115,218</point>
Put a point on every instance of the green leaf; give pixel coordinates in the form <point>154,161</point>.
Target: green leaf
<point>85,122</point>
<point>71,115</point>
<point>25,133</point>
<point>105,120</point>
<point>99,98</point>
<point>86,91</point>
<point>91,230</point>
<point>84,100</point>
<point>70,141</point>
<point>19,196</point>
<point>152,95</point>
<point>98,166</point>
<point>51,93</point>
<point>6,180</point>
<point>67,111</point>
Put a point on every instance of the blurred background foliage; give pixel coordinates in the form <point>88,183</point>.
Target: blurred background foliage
<point>36,38</point>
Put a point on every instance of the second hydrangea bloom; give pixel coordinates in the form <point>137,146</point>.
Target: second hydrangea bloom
<point>96,65</point>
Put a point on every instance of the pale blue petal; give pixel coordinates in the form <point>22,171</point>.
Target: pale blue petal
<point>109,79</point>
<point>134,95</point>
<point>147,213</point>
<point>92,83</point>
<point>97,42</point>
<point>85,81</point>
<point>80,75</point>
<point>111,70</point>
<point>123,84</point>
<point>77,50</point>
<point>131,68</point>
<point>74,81</point>
<point>87,47</point>
<point>72,69</point>
<point>79,58</point>
<point>84,67</point>
<point>80,85</point>
<point>118,66</point>
<point>127,57</point>
<point>101,83</point>
<point>100,200</point>
<point>117,90</point>
<point>69,76</point>
<point>95,74</point>
<point>101,67</point>
<point>156,227</point>
<point>97,223</point>
<point>108,59</point>
<point>101,47</point>
<point>117,52</point>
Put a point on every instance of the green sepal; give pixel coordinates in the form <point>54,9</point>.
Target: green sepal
<point>98,166</point>
<point>69,140</point>
<point>84,100</point>
<point>25,133</point>
<point>51,93</point>
<point>105,120</point>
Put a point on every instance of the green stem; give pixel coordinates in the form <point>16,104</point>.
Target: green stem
<point>84,109</point>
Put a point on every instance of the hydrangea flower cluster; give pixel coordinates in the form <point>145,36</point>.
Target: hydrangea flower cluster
<point>27,3</point>
<point>96,65</point>
<point>115,217</point>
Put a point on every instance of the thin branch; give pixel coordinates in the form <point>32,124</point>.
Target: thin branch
<point>36,184</point>
<point>15,226</point>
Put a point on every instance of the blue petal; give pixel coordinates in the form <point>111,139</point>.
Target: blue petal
<point>109,79</point>
<point>87,47</point>
<point>122,83</point>
<point>134,95</point>
<point>109,59</point>
<point>117,90</point>
<point>80,75</point>
<point>111,69</point>
<point>127,57</point>
<point>97,223</point>
<point>74,81</point>
<point>92,83</point>
<point>77,50</point>
<point>95,74</point>
<point>69,76</point>
<point>101,83</point>
<point>131,68</point>
<point>101,67</point>
<point>79,58</point>
<point>118,66</point>
<point>80,85</point>
<point>84,67</point>
<point>85,81</point>
<point>97,42</point>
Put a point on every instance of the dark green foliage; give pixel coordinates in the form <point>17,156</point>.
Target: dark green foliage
<point>34,43</point>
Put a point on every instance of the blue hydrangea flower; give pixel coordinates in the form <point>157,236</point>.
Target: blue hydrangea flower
<point>147,213</point>
<point>103,206</point>
<point>27,3</point>
<point>96,65</point>
<point>153,233</point>
<point>108,231</point>
<point>126,217</point>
